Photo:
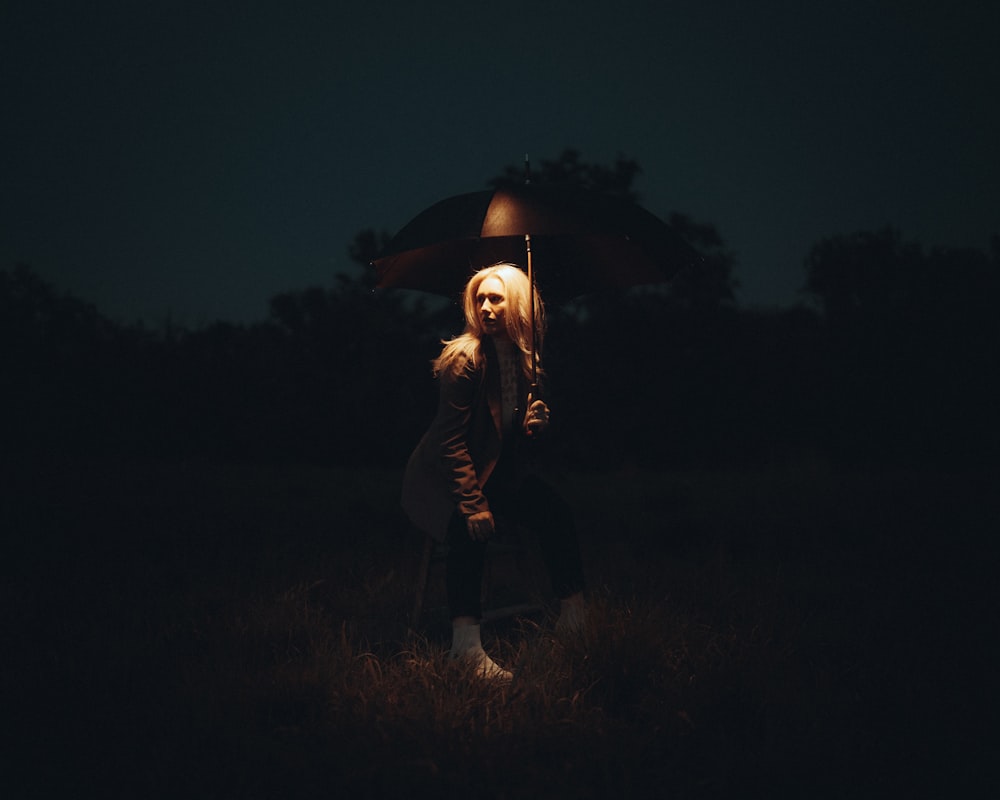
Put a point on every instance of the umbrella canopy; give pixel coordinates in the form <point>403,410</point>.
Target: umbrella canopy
<point>581,241</point>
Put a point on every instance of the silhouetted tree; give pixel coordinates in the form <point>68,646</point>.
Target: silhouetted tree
<point>709,283</point>
<point>366,247</point>
<point>913,342</point>
<point>355,355</point>
<point>865,275</point>
<point>74,381</point>
<point>571,171</point>
<point>876,284</point>
<point>39,320</point>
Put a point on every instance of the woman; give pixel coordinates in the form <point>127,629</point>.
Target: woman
<point>470,463</point>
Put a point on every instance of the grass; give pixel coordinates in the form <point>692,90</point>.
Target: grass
<point>205,630</point>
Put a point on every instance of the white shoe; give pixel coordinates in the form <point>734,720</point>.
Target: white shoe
<point>485,667</point>
<point>467,645</point>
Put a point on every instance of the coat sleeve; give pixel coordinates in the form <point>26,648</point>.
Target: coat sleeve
<point>456,406</point>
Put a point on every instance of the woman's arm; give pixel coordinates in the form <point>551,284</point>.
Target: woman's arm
<point>458,395</point>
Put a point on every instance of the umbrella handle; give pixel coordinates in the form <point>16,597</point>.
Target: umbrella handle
<point>531,312</point>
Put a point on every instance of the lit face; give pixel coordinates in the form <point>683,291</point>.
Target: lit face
<point>491,300</point>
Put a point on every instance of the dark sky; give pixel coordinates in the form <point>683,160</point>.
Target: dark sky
<point>193,159</point>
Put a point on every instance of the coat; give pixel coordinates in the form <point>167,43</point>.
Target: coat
<point>454,459</point>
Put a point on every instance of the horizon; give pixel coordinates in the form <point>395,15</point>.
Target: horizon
<point>193,165</point>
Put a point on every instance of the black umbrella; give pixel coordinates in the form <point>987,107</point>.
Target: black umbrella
<point>586,241</point>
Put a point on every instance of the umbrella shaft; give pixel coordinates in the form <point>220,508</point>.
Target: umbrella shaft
<point>531,315</point>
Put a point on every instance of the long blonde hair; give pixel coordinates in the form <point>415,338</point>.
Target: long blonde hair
<point>465,350</point>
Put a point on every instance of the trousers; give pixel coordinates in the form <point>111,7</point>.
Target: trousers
<point>532,504</point>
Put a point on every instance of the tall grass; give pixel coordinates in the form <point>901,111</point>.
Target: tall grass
<point>283,692</point>
<point>200,630</point>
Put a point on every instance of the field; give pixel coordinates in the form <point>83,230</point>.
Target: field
<point>224,630</point>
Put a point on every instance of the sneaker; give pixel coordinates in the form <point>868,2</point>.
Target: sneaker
<point>485,667</point>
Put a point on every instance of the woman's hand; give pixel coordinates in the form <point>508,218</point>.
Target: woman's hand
<point>537,418</point>
<point>480,525</point>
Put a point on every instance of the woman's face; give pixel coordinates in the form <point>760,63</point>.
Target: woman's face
<point>491,301</point>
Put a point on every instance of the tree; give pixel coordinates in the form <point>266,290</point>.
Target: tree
<point>710,283</point>
<point>569,170</point>
<point>913,343</point>
<point>367,245</point>
<point>875,283</point>
<point>865,275</point>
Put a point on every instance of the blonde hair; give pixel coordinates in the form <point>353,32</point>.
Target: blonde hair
<point>465,350</point>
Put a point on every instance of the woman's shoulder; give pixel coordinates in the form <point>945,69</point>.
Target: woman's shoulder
<point>460,358</point>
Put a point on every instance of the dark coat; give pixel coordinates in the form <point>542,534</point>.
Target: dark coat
<point>456,456</point>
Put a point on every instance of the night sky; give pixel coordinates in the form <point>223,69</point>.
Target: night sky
<point>191,160</point>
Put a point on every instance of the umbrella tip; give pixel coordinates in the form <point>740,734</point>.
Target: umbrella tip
<point>527,169</point>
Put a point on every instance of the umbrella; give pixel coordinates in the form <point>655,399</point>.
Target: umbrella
<point>586,241</point>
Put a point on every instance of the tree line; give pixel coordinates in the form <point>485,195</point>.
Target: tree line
<point>890,361</point>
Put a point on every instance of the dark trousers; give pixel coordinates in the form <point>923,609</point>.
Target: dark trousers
<point>535,506</point>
